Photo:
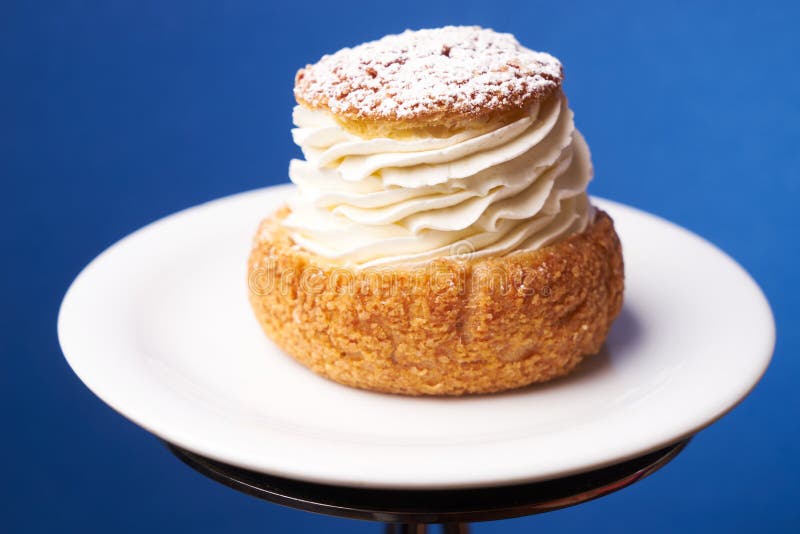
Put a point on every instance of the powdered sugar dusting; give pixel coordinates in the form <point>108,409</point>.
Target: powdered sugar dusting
<point>456,70</point>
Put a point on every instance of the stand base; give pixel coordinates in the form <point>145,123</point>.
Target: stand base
<point>421,528</point>
<point>409,511</point>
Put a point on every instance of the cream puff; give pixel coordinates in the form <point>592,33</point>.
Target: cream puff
<point>440,241</point>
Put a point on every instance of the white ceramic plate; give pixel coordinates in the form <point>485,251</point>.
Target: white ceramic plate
<point>160,328</point>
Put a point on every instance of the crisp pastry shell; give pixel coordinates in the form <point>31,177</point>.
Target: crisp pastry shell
<point>450,327</point>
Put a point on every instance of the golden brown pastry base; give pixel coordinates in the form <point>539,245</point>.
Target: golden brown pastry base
<point>448,328</point>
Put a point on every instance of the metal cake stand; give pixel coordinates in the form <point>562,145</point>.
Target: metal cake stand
<point>412,511</point>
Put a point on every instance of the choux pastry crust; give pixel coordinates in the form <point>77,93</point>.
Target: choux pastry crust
<point>451,327</point>
<point>453,77</point>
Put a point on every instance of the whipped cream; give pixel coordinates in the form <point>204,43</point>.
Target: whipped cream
<point>367,202</point>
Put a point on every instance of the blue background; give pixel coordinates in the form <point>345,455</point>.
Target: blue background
<point>113,114</point>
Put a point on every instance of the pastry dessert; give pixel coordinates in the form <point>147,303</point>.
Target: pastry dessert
<point>441,241</point>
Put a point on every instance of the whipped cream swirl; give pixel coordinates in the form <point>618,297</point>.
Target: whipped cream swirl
<point>367,202</point>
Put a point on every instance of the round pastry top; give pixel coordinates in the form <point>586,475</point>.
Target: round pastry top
<point>455,73</point>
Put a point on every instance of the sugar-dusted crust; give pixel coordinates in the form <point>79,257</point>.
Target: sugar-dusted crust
<point>449,328</point>
<point>449,77</point>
